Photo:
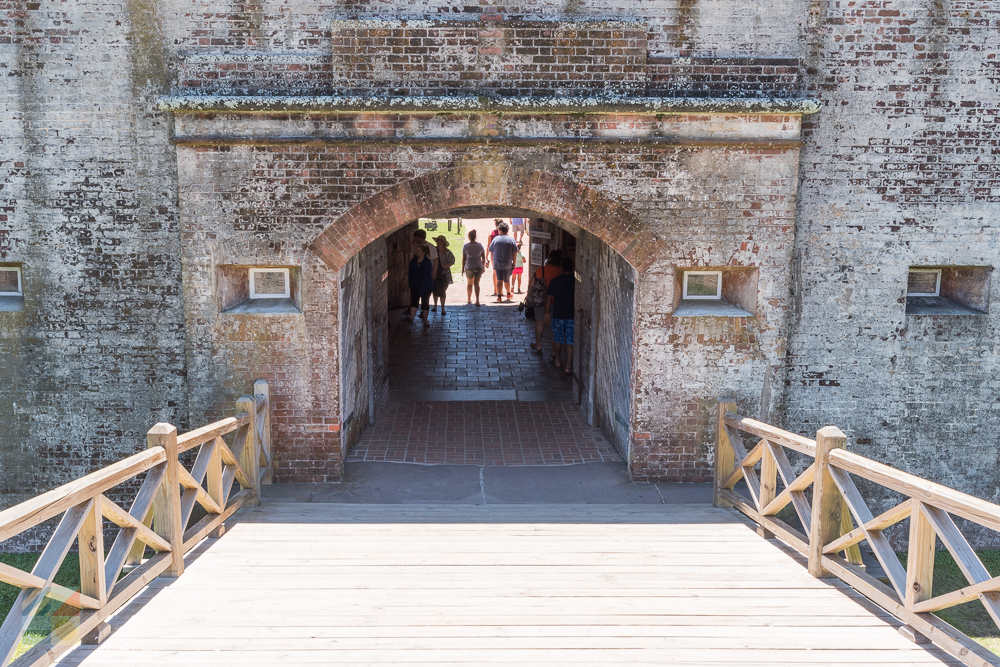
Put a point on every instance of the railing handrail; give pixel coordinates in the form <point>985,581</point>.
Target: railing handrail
<point>837,505</point>
<point>158,518</point>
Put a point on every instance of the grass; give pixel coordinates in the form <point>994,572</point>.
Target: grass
<point>456,241</point>
<point>971,617</point>
<point>52,614</point>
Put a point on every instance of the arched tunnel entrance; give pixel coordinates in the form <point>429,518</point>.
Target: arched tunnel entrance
<point>468,389</point>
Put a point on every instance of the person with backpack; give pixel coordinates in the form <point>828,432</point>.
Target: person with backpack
<point>537,288</point>
<point>560,307</point>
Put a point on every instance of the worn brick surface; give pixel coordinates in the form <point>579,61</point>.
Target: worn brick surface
<point>121,234</point>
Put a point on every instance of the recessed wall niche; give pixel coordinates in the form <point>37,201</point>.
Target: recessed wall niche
<point>258,289</point>
<point>715,292</point>
<point>948,290</point>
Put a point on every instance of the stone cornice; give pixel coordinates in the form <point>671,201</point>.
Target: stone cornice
<point>470,104</point>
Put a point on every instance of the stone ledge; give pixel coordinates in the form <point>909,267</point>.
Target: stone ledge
<point>471,104</point>
<point>709,308</point>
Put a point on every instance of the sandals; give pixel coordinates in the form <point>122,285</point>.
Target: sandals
<point>536,349</point>
<point>552,360</point>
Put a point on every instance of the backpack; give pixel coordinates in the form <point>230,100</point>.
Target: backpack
<point>536,295</point>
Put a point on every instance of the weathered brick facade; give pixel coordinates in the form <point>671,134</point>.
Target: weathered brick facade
<point>126,215</point>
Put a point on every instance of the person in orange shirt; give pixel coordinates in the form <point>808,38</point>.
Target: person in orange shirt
<point>551,269</point>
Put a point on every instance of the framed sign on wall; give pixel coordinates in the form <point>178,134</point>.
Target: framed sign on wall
<point>536,254</point>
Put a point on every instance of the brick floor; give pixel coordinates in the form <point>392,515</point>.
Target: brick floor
<point>490,433</point>
<point>472,348</point>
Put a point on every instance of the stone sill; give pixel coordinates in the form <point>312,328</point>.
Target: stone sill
<point>477,104</point>
<point>264,307</point>
<point>937,305</point>
<point>11,303</point>
<point>709,308</point>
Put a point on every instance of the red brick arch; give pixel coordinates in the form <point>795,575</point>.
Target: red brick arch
<point>489,186</point>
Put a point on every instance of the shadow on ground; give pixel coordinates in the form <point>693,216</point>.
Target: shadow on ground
<point>401,483</point>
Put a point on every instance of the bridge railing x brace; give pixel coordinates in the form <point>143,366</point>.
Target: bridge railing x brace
<point>220,478</point>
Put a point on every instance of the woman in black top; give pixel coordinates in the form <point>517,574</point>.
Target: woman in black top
<point>421,281</point>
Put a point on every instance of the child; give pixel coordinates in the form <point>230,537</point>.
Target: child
<point>515,277</point>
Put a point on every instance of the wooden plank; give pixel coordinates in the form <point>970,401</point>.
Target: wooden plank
<point>29,600</point>
<point>231,459</point>
<point>192,439</point>
<point>965,557</point>
<point>41,508</point>
<point>213,474</point>
<point>21,579</point>
<point>881,522</point>
<point>920,557</point>
<point>826,504</point>
<point>794,487</point>
<point>955,502</point>
<point>883,551</point>
<point>746,462</point>
<point>776,435</point>
<point>203,499</point>
<point>91,553</point>
<point>167,520</point>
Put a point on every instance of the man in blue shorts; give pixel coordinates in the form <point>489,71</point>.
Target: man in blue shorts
<point>504,250</point>
<point>560,305</point>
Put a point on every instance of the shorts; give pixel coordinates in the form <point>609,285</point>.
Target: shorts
<point>473,273</point>
<point>518,228</point>
<point>423,301</point>
<point>518,271</point>
<point>562,331</point>
<point>503,275</point>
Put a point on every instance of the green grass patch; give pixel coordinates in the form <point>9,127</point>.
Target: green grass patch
<point>971,617</point>
<point>52,614</point>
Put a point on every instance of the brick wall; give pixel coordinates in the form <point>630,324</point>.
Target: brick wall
<point>722,77</point>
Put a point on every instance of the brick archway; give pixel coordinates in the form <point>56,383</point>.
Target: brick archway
<point>487,185</point>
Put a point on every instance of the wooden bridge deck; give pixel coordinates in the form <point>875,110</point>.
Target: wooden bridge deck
<point>294,584</point>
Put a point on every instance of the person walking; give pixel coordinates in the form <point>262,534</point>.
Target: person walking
<point>420,236</point>
<point>446,259</point>
<point>518,231</point>
<point>515,277</point>
<point>473,261</point>
<point>489,242</point>
<point>503,250</point>
<point>538,295</point>
<point>560,309</point>
<point>421,281</point>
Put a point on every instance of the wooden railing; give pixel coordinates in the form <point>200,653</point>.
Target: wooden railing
<point>158,519</point>
<point>836,519</point>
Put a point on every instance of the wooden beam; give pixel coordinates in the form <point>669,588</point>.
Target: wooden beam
<point>881,522</point>
<point>826,505</point>
<point>205,500</point>
<point>955,502</point>
<point>91,552</point>
<point>772,433</point>
<point>781,530</point>
<point>120,517</point>
<point>794,488</point>
<point>249,455</point>
<point>725,459</point>
<point>41,508</point>
<point>965,557</point>
<point>961,596</point>
<point>262,389</point>
<point>167,502</point>
<point>920,557</point>
<point>30,599</point>
<point>876,540</point>
<point>192,439</point>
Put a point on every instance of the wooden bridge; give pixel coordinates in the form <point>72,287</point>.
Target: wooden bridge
<point>527,584</point>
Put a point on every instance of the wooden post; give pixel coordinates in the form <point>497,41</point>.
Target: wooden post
<point>91,545</point>
<point>167,503</point>
<point>250,455</point>
<point>768,486</point>
<point>827,504</point>
<point>261,388</point>
<point>920,557</point>
<point>725,458</point>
